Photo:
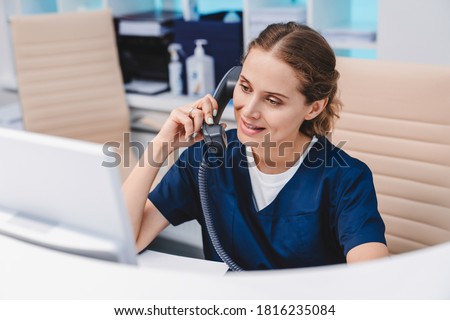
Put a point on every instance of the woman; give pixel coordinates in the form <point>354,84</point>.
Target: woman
<point>284,196</point>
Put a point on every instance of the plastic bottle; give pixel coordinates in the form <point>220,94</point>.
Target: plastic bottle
<point>200,71</point>
<point>175,70</point>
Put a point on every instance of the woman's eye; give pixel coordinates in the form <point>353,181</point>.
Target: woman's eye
<point>273,102</point>
<point>244,88</point>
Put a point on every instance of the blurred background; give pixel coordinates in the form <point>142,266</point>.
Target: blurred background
<point>416,31</point>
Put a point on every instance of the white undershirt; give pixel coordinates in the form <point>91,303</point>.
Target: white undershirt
<point>265,186</point>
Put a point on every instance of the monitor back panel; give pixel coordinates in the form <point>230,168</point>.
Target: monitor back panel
<point>64,183</point>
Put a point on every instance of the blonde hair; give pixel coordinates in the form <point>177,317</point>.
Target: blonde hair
<point>313,61</point>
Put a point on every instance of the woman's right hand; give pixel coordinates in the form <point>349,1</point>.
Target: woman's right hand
<point>183,128</point>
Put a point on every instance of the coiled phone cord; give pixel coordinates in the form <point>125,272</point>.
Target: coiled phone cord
<point>204,199</point>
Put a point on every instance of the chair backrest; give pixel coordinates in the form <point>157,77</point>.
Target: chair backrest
<point>396,118</point>
<point>69,77</point>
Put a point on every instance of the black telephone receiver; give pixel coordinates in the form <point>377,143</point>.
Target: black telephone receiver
<point>216,143</point>
<point>214,134</point>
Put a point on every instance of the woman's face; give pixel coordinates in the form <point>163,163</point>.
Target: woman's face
<point>267,101</point>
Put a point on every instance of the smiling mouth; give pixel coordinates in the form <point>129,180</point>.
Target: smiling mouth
<point>252,127</point>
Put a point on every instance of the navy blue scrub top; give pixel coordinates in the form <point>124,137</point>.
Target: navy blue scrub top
<point>328,207</point>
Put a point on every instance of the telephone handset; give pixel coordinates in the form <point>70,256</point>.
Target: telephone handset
<point>216,142</point>
<point>214,134</point>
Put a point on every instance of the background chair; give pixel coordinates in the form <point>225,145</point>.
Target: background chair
<point>70,83</point>
<point>396,118</point>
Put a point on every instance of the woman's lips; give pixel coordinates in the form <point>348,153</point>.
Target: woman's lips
<point>250,129</point>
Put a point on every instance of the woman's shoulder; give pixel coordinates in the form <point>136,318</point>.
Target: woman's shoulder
<point>342,172</point>
<point>333,158</point>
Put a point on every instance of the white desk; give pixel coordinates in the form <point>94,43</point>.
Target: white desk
<point>30,272</point>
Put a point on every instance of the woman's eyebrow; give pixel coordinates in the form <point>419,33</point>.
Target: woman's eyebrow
<point>268,92</point>
<point>277,94</point>
<point>244,78</point>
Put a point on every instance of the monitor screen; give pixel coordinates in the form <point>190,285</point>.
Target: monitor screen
<point>56,193</point>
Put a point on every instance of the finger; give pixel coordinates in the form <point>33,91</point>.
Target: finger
<point>188,124</point>
<point>188,109</point>
<point>184,120</point>
<point>207,108</point>
<point>198,136</point>
<point>214,104</point>
<point>197,117</point>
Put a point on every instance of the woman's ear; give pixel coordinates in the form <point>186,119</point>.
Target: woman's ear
<point>316,108</point>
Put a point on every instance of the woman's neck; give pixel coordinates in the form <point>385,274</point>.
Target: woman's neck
<point>278,157</point>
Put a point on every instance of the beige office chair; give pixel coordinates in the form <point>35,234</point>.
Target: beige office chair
<point>69,77</point>
<point>396,118</point>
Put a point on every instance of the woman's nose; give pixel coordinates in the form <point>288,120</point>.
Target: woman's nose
<point>251,108</point>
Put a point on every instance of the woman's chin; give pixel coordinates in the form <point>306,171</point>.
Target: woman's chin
<point>253,140</point>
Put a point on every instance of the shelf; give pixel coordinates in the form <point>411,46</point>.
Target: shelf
<point>339,45</point>
<point>338,20</point>
<point>166,102</point>
<point>260,18</point>
<point>351,36</point>
<point>80,5</point>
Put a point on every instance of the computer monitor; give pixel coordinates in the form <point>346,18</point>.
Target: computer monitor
<point>55,192</point>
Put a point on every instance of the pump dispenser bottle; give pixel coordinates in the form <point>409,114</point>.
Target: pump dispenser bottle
<point>175,70</point>
<point>200,71</point>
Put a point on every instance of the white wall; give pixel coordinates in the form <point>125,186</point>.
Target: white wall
<point>414,31</point>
